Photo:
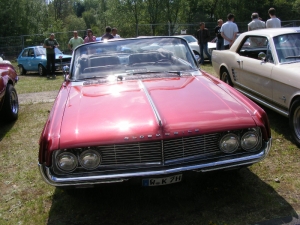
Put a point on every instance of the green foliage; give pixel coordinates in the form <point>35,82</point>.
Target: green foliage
<point>24,17</point>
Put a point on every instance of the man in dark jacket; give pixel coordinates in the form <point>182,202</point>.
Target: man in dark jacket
<point>108,34</point>
<point>203,37</point>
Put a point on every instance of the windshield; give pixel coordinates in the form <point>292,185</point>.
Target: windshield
<point>132,56</point>
<point>190,38</point>
<point>42,51</point>
<point>288,47</point>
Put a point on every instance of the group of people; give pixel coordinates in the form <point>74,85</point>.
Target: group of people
<point>226,33</point>
<point>51,43</point>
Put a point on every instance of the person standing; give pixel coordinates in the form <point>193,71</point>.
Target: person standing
<point>220,39</point>
<point>273,22</point>
<point>256,23</point>
<point>114,32</point>
<point>75,41</point>
<point>107,34</point>
<point>90,37</point>
<point>50,44</point>
<point>229,31</point>
<point>203,37</point>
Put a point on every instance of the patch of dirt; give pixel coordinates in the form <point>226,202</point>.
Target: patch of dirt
<point>30,98</point>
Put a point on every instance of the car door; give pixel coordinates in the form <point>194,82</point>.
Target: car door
<point>35,60</point>
<point>255,72</point>
<point>23,59</point>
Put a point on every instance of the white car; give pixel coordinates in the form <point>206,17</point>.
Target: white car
<point>266,69</point>
<point>193,43</point>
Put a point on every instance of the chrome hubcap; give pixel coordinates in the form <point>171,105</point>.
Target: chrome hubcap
<point>225,77</point>
<point>14,102</point>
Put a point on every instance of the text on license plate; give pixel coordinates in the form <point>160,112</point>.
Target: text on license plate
<point>162,181</point>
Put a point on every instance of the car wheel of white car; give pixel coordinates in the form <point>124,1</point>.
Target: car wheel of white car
<point>295,121</point>
<point>42,70</point>
<point>11,103</point>
<point>226,77</point>
<point>22,71</point>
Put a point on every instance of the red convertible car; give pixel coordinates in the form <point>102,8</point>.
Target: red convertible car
<point>140,109</point>
<point>9,105</point>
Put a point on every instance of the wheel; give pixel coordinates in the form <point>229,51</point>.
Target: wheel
<point>22,71</point>
<point>226,77</point>
<point>11,103</point>
<point>294,121</point>
<point>42,70</point>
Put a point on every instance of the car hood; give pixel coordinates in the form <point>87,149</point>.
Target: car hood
<point>290,66</point>
<point>132,111</point>
<point>57,56</point>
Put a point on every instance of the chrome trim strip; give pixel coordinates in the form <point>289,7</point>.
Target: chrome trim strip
<point>98,179</point>
<point>282,112</point>
<point>151,103</point>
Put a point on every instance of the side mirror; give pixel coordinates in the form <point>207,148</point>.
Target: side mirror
<point>262,56</point>
<point>66,70</point>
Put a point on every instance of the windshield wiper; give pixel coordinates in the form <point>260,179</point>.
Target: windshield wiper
<point>290,57</point>
<point>88,78</point>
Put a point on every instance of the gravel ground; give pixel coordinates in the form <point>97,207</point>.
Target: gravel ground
<point>29,98</point>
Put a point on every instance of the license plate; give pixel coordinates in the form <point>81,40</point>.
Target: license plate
<point>162,180</point>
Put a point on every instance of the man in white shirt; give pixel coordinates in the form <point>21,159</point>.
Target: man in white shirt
<point>114,33</point>
<point>229,31</point>
<point>256,24</point>
<point>273,22</point>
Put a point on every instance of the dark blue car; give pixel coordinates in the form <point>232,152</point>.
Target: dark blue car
<point>34,59</point>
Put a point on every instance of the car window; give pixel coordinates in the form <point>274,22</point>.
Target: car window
<point>252,46</point>
<point>288,47</point>
<point>40,51</point>
<point>25,53</point>
<point>30,52</point>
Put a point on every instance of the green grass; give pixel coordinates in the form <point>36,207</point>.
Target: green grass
<point>269,189</point>
<point>32,82</point>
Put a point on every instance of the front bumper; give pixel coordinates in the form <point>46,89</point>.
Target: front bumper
<point>86,179</point>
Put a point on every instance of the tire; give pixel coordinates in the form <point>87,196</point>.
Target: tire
<point>226,77</point>
<point>41,70</point>
<point>11,103</point>
<point>294,121</point>
<point>22,71</point>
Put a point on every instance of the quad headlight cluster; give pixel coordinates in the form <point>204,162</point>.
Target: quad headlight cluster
<point>68,161</point>
<point>247,140</point>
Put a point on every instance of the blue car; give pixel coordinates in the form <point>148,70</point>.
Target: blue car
<point>34,59</point>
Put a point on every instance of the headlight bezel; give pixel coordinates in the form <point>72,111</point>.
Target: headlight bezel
<point>66,153</point>
<point>85,152</point>
<point>231,136</point>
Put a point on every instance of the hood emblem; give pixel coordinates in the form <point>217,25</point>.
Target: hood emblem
<point>159,135</point>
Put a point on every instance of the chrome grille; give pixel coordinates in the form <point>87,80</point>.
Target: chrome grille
<point>135,153</point>
<point>185,149</point>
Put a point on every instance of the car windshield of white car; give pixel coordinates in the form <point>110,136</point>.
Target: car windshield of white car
<point>127,57</point>
<point>288,47</point>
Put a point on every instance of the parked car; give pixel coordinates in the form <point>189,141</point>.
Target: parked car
<point>266,70</point>
<point>146,114</point>
<point>34,59</point>
<point>9,105</point>
<point>193,43</point>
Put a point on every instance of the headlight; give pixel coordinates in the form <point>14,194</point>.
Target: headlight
<point>90,159</point>
<point>229,143</point>
<point>250,141</point>
<point>66,161</point>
